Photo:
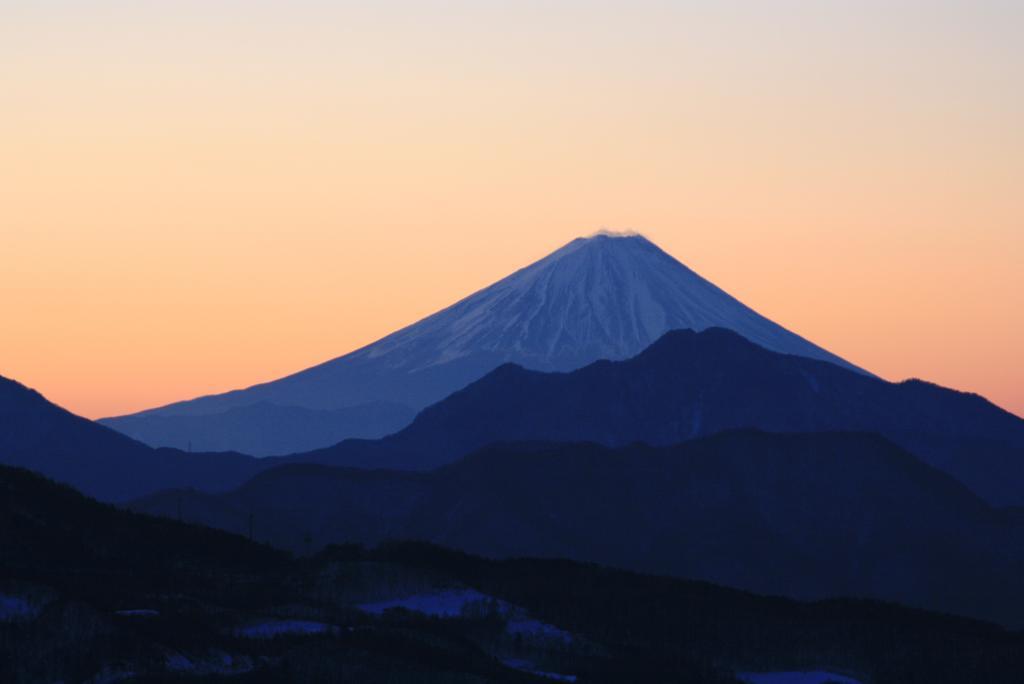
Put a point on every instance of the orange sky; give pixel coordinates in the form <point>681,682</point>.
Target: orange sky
<point>198,196</point>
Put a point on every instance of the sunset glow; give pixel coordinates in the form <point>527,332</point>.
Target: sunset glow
<point>200,196</point>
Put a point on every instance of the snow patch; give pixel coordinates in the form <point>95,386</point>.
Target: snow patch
<point>273,628</point>
<point>812,677</point>
<point>528,667</point>
<point>109,675</point>
<point>212,663</point>
<point>14,608</point>
<point>536,628</point>
<point>448,603</point>
<point>176,662</point>
<point>453,603</point>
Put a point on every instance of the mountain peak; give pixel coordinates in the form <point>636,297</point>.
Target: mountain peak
<point>607,235</point>
<point>605,296</point>
<point>604,239</point>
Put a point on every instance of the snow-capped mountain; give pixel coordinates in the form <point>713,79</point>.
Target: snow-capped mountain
<point>606,296</point>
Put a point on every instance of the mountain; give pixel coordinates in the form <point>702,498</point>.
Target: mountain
<point>691,384</point>
<point>807,516</point>
<point>603,297</point>
<point>90,592</point>
<point>43,437</point>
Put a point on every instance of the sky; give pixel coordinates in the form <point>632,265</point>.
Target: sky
<point>199,196</point>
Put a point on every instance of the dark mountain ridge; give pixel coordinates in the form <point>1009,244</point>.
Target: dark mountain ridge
<point>99,461</point>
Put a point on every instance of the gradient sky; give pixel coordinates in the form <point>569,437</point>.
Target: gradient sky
<point>197,196</point>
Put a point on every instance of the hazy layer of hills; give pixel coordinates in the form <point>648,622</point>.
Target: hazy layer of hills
<point>801,515</point>
<point>262,429</point>
<point>604,297</point>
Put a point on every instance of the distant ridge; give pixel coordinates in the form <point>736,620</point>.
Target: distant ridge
<point>800,515</point>
<point>607,296</point>
<point>688,385</point>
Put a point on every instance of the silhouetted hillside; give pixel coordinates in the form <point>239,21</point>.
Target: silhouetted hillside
<point>45,438</point>
<point>92,593</point>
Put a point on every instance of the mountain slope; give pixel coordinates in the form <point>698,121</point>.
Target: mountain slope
<point>690,384</point>
<point>49,527</point>
<point>806,515</point>
<point>604,297</point>
<point>43,437</point>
